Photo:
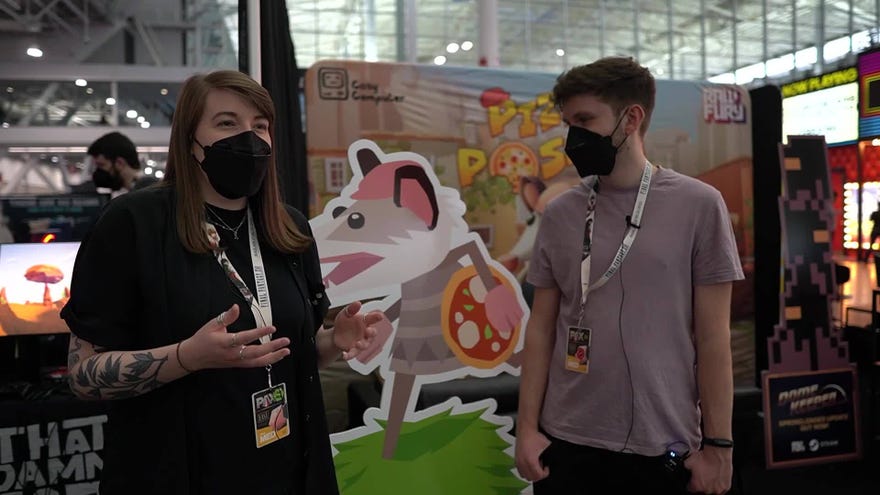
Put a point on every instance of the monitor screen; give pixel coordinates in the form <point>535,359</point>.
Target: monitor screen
<point>34,286</point>
<point>49,218</point>
<point>831,112</point>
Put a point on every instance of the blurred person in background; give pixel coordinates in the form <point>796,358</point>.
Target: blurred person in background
<point>116,166</point>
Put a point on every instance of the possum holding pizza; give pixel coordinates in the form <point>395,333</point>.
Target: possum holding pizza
<point>396,235</point>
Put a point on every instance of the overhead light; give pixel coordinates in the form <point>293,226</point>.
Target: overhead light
<point>6,125</point>
<point>875,142</point>
<point>160,174</point>
<point>89,91</point>
<point>110,100</point>
<point>148,170</point>
<point>560,52</point>
<point>452,47</point>
<point>163,91</point>
<point>151,162</point>
<point>439,60</point>
<point>77,149</point>
<point>47,149</point>
<point>81,83</point>
<point>467,45</point>
<point>10,89</point>
<point>141,118</point>
<point>35,52</point>
<point>145,125</point>
<point>132,114</point>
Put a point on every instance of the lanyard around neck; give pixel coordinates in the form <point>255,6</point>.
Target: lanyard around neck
<point>262,311</point>
<point>632,229</point>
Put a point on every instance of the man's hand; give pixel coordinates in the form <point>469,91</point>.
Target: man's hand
<point>711,470</point>
<point>529,446</point>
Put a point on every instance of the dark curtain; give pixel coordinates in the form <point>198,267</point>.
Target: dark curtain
<point>767,187</point>
<point>281,78</point>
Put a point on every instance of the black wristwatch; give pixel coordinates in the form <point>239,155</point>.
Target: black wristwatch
<point>718,442</point>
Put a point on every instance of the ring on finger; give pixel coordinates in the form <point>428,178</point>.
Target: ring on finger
<point>220,319</point>
<point>241,352</point>
<point>234,343</point>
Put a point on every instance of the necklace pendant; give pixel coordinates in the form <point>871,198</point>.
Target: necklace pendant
<point>235,235</point>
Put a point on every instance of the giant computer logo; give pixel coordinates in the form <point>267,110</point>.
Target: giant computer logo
<point>332,83</point>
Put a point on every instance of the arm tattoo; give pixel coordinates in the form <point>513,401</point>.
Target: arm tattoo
<point>113,375</point>
<point>73,354</point>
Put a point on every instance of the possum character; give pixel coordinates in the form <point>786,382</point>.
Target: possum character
<point>399,234</point>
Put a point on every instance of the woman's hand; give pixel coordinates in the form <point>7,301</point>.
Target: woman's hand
<point>214,347</point>
<point>384,329</point>
<point>353,332</point>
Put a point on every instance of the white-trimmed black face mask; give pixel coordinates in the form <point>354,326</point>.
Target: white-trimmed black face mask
<point>236,166</point>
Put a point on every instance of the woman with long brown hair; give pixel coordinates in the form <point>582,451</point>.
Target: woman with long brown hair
<point>196,306</point>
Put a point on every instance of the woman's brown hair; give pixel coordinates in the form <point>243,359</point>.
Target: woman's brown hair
<point>182,171</point>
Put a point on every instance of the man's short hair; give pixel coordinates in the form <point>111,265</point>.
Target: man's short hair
<point>115,145</point>
<point>616,81</point>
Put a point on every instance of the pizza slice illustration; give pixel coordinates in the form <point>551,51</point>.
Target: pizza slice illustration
<point>465,322</point>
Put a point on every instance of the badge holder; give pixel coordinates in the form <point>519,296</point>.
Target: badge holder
<point>578,341</point>
<point>577,350</point>
<point>271,414</point>
<point>270,407</point>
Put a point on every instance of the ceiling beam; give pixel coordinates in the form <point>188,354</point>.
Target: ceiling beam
<point>83,54</point>
<point>15,15</point>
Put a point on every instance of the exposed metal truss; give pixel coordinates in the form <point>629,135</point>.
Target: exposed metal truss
<point>680,39</point>
<point>63,28</point>
<point>690,39</point>
<point>76,34</point>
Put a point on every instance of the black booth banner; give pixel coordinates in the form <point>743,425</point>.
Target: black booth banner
<point>52,458</point>
<point>811,417</point>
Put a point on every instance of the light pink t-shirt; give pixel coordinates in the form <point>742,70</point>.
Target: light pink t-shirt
<point>685,240</point>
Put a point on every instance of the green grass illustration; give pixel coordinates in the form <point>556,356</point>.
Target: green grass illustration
<point>443,454</point>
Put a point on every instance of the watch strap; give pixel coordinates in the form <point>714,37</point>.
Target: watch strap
<point>718,442</point>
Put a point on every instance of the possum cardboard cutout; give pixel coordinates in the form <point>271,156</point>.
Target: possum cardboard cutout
<point>397,238</point>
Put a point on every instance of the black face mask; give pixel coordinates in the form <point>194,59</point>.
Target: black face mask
<point>110,180</point>
<point>237,165</point>
<point>590,152</point>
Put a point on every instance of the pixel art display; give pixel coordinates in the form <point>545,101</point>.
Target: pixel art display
<point>804,339</point>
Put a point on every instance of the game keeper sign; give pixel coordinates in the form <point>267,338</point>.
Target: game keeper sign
<point>811,417</point>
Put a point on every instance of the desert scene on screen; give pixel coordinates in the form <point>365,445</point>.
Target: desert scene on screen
<point>34,286</point>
